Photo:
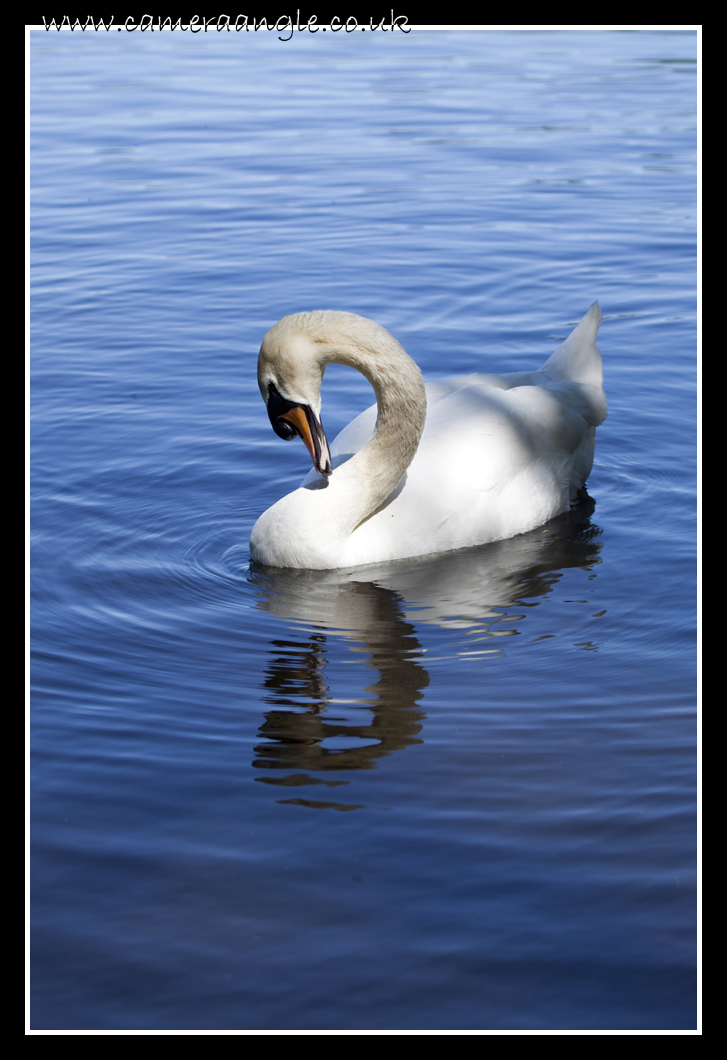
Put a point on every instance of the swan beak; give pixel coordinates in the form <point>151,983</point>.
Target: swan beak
<point>289,418</point>
<point>309,427</point>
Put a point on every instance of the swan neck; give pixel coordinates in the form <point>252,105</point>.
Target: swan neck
<point>401,402</point>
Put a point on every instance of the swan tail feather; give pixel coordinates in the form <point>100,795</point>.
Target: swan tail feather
<point>578,359</point>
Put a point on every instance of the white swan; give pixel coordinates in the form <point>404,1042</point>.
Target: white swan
<point>461,462</point>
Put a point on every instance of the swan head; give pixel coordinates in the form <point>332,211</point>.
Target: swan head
<point>289,373</point>
<point>293,357</point>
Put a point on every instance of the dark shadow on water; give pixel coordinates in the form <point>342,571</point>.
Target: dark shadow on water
<point>383,610</point>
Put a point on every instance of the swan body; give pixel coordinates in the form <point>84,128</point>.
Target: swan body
<point>458,462</point>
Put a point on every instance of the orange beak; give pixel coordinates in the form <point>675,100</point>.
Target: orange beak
<point>298,418</point>
<point>317,447</point>
<point>289,418</point>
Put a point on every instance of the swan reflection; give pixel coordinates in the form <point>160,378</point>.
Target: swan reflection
<point>383,611</point>
<point>305,729</point>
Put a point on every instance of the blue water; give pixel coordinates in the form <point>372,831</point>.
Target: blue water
<point>451,793</point>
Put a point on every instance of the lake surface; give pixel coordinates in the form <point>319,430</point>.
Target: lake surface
<point>453,793</point>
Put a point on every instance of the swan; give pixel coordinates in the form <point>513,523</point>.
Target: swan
<point>458,462</point>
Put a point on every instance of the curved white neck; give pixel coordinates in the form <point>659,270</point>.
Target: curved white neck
<point>294,356</point>
<point>370,476</point>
